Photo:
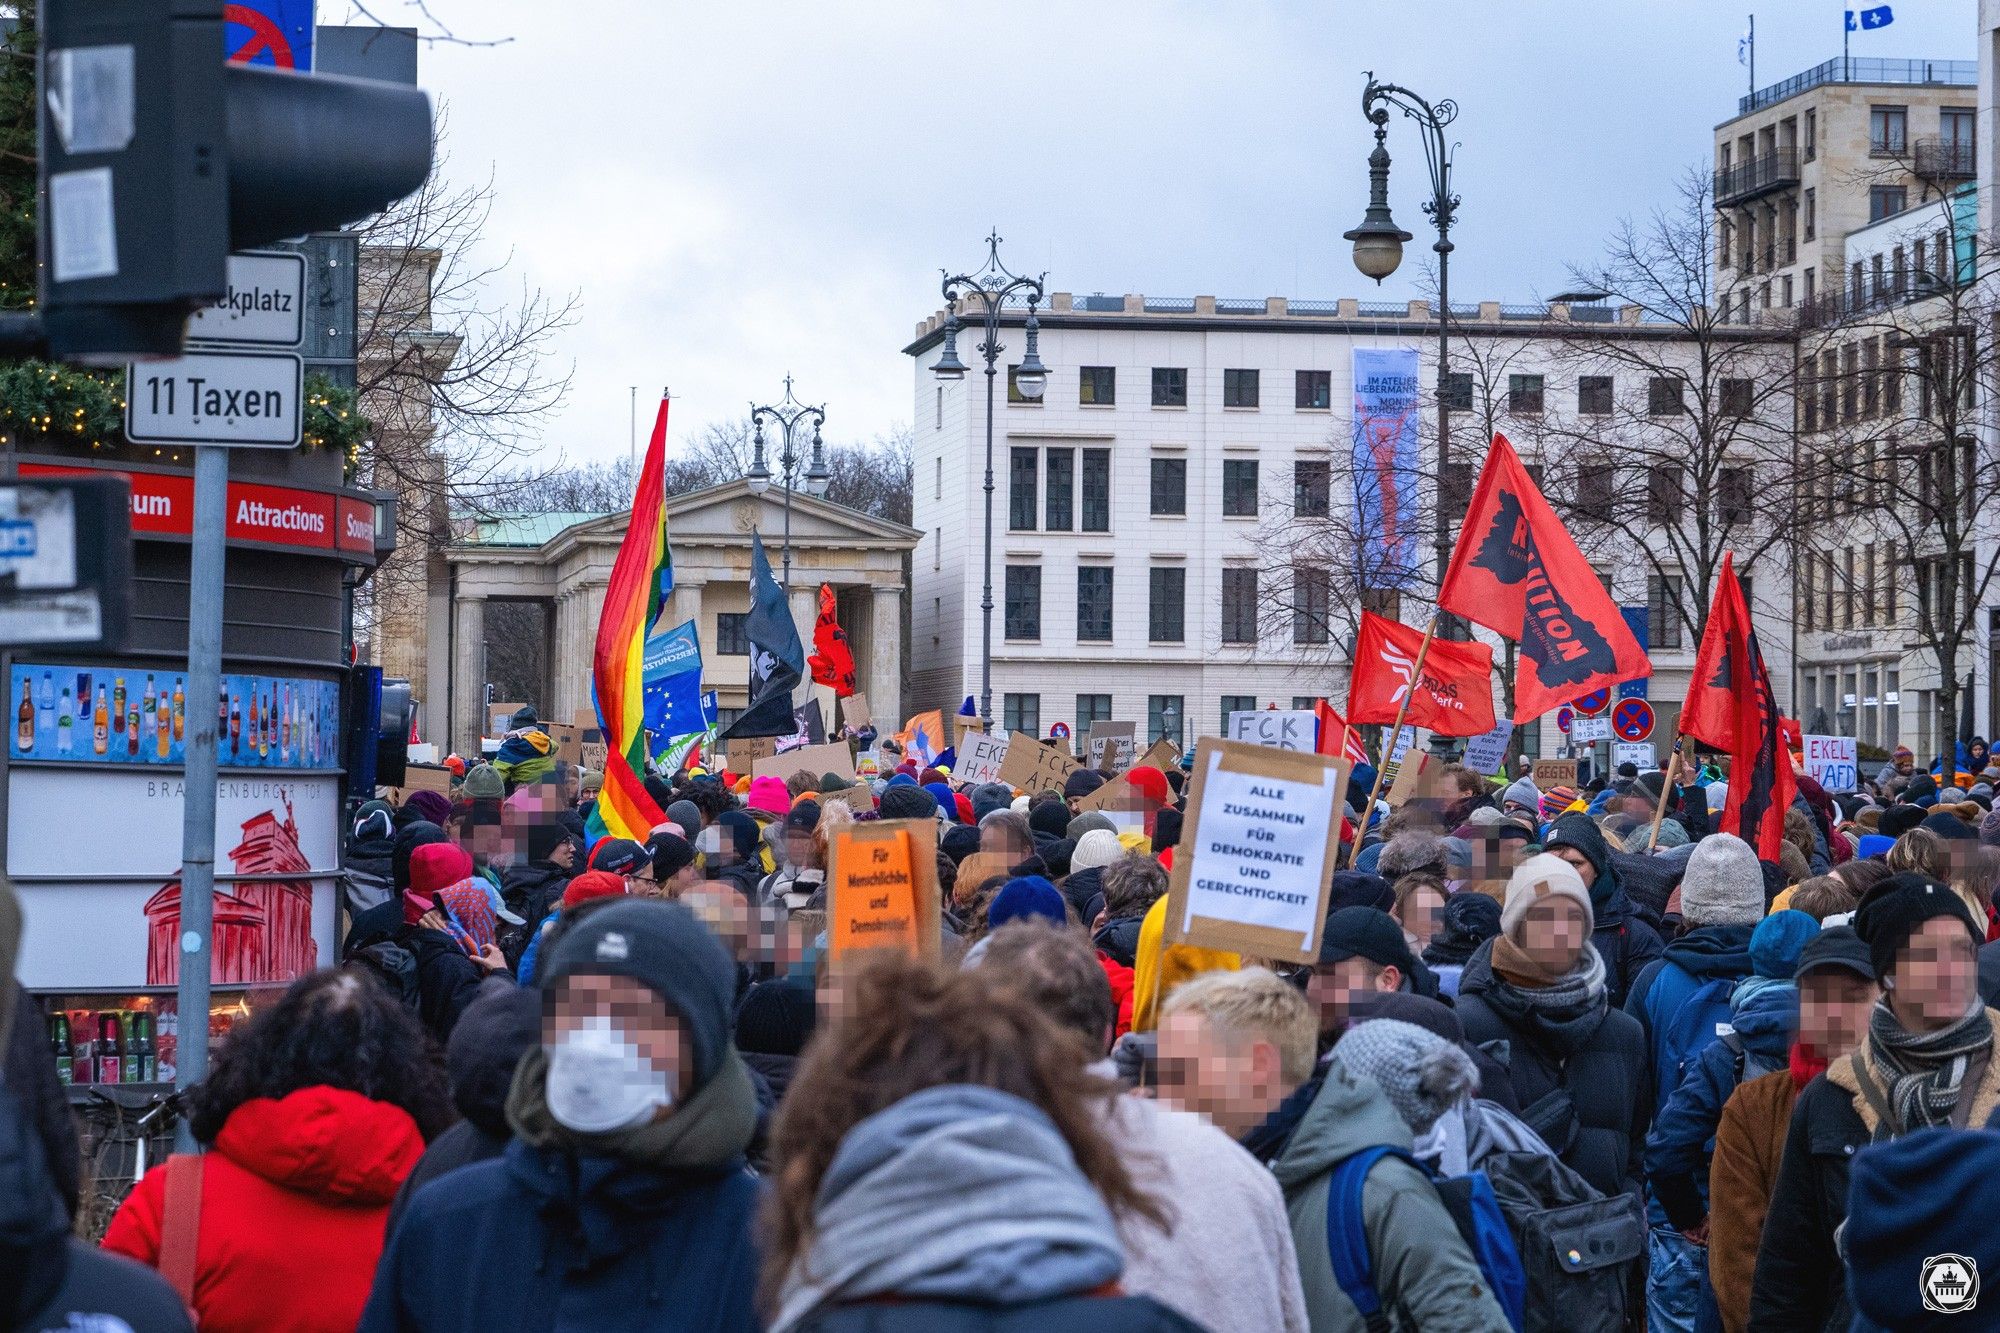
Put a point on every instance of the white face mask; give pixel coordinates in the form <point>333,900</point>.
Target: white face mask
<point>599,1081</point>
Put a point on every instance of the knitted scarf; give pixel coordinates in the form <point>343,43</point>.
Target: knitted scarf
<point>1574,990</point>
<point>1925,1070</point>
<point>1806,1065</point>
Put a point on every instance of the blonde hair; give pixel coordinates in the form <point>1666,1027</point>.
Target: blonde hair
<point>1254,1003</point>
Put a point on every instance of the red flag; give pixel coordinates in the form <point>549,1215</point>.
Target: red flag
<point>832,661</point>
<point>1454,696</point>
<point>1730,706</point>
<point>1516,571</point>
<point>1335,736</point>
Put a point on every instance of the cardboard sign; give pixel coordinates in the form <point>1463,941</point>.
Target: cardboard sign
<point>1032,766</point>
<point>833,757</point>
<point>1111,745</point>
<point>1485,754</point>
<point>1125,804</point>
<point>1640,754</point>
<point>741,753</point>
<point>854,711</point>
<point>975,870</point>
<point>1833,762</point>
<point>500,716</point>
<point>1418,775</point>
<point>1552,773</point>
<point>1162,754</point>
<point>963,726</point>
<point>1257,851</point>
<point>881,884</point>
<point>1295,729</point>
<point>980,759</point>
<point>422,777</point>
<point>568,742</point>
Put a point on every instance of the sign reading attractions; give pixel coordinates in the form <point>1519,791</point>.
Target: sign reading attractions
<point>1258,850</point>
<point>163,506</point>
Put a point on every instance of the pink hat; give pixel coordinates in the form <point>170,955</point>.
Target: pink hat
<point>770,795</point>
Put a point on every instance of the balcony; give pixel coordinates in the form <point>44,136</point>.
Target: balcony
<point>1773,171</point>
<point>1945,160</point>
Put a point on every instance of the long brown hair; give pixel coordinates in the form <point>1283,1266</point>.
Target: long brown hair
<point>900,1026</point>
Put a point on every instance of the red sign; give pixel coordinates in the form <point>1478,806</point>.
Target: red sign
<point>1590,705</point>
<point>264,36</point>
<point>1632,719</point>
<point>163,506</point>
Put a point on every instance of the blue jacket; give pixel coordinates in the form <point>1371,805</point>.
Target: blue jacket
<point>1683,1133</point>
<point>540,1242</point>
<point>1676,1030</point>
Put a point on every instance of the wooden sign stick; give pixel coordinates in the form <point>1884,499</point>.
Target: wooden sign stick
<point>1416,679</point>
<point>1660,807</point>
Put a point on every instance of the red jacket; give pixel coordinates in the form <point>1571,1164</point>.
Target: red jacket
<point>294,1196</point>
<point>1120,977</point>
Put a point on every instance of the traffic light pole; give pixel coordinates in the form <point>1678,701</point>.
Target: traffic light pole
<point>205,579</point>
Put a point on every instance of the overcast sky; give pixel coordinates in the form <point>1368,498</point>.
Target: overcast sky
<point>743,189</point>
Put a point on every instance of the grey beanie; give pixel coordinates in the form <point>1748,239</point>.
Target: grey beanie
<point>1413,851</point>
<point>688,815</point>
<point>1723,886</point>
<point>1089,821</point>
<point>1523,791</point>
<point>1422,1074</point>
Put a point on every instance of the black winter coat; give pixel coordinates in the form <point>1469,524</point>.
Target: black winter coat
<point>1120,939</point>
<point>1583,1083</point>
<point>31,1076</point>
<point>530,891</point>
<point>1801,1283</point>
<point>1065,1314</point>
<point>447,980</point>
<point>1625,942</point>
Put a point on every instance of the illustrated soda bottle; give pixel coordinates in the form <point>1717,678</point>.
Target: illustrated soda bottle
<point>148,1048</point>
<point>118,704</point>
<point>110,1047</point>
<point>24,731</point>
<point>256,724</point>
<point>83,1062</point>
<point>285,724</point>
<point>180,711</point>
<point>65,724</point>
<point>271,719</point>
<point>100,725</point>
<point>163,726</point>
<point>235,723</point>
<point>132,729</point>
<point>146,700</point>
<point>59,1046</point>
<point>45,703</point>
<point>128,1045</point>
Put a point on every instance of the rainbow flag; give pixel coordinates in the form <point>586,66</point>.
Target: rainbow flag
<point>641,579</point>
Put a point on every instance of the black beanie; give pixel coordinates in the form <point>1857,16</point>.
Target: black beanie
<point>904,802</point>
<point>1082,782</point>
<point>959,841</point>
<point>1166,829</point>
<point>665,947</point>
<point>1055,854</point>
<point>1358,888</point>
<point>1892,911</point>
<point>1050,818</point>
<point>544,836</point>
<point>1899,819</point>
<point>775,1018</point>
<point>488,1040</point>
<point>671,855</point>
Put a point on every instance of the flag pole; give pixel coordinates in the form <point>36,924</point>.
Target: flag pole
<point>1660,807</point>
<point>1416,679</point>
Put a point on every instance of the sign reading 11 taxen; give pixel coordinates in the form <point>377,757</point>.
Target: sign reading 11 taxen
<point>221,395</point>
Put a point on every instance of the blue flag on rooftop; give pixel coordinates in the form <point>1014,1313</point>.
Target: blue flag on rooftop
<point>1868,20</point>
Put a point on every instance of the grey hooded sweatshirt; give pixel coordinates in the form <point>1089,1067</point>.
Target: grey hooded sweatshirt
<point>1426,1276</point>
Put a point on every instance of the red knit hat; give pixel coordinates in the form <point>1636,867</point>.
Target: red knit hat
<point>1150,783</point>
<point>592,884</point>
<point>436,864</point>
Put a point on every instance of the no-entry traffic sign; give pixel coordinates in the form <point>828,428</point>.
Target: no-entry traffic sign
<point>1632,719</point>
<point>1590,705</point>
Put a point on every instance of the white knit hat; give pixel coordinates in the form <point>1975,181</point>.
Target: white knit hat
<point>1536,878</point>
<point>1099,847</point>
<point>1724,885</point>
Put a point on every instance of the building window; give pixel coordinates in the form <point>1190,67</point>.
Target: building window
<point>1315,388</point>
<point>1236,703</point>
<point>1885,201</point>
<point>1735,493</point>
<point>1454,488</point>
<point>1785,291</point>
<point>1170,486</point>
<point>1312,488</point>
<point>1664,396</point>
<point>939,423</point>
<point>1593,395</point>
<point>937,480</point>
<point>1663,611</point>
<point>1169,386</point>
<point>1596,490</point>
<point>1524,394</point>
<point>1806,287</point>
<point>725,717</point>
<point>1458,390</point>
<point>1166,613</point>
<point>732,633</point>
<point>1663,493</point>
<point>1093,603</point>
<point>1239,488</point>
<point>1239,388</point>
<point>1014,394</point>
<point>1058,512</point>
<point>1166,718</point>
<point>1021,712</point>
<point>1097,386</point>
<point>1811,149</point>
<point>1312,605</point>
<point>1090,708</point>
<point>1021,465</point>
<point>1097,490</point>
<point>1812,213</point>
<point>1024,601</point>
<point>1239,605</point>
<point>1737,396</point>
<point>1888,130</point>
<point>1871,377</point>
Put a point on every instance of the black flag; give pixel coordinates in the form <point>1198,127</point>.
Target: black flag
<point>777,658</point>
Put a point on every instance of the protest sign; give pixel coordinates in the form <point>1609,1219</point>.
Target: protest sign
<point>1033,766</point>
<point>1124,804</point>
<point>1404,740</point>
<point>974,871</point>
<point>1419,774</point>
<point>964,726</point>
<point>500,717</point>
<point>1257,851</point>
<point>1833,762</point>
<point>1485,753</point>
<point>881,884</point>
<point>833,757</point>
<point>420,777</point>
<point>1162,754</point>
<point>1551,773</point>
<point>1294,729</point>
<point>568,742</point>
<point>1639,754</point>
<point>1111,745</point>
<point>854,711</point>
<point>980,759</point>
<point>743,752</point>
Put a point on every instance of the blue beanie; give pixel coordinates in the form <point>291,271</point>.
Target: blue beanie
<point>941,793</point>
<point>1925,1195</point>
<point>1873,845</point>
<point>902,780</point>
<point>1775,944</point>
<point>1031,895</point>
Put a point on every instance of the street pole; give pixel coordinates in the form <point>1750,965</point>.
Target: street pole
<point>986,562</point>
<point>788,414</point>
<point>197,916</point>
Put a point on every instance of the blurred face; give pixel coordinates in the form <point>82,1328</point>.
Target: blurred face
<point>996,838</point>
<point>1233,1080</point>
<point>636,1011</point>
<point>1932,983</point>
<point>1833,1011</point>
<point>641,881</point>
<point>1554,933</point>
<point>800,851</point>
<point>1421,913</point>
<point>564,855</point>
<point>1332,987</point>
<point>1580,861</point>
<point>1638,805</point>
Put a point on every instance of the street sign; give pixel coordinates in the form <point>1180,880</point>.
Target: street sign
<point>264,305</point>
<point>1590,730</point>
<point>234,399</point>
<point>1564,716</point>
<point>1590,705</point>
<point>1632,719</point>
<point>1639,754</point>
<point>277,33</point>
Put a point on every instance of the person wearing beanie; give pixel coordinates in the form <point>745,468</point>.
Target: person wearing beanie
<point>1079,784</point>
<point>624,1193</point>
<point>907,801</point>
<point>430,964</point>
<point>1029,896</point>
<point>773,1022</point>
<point>732,851</point>
<point>368,865</point>
<point>674,869</point>
<point>484,783</point>
<point>1920,1236</point>
<point>1094,850</point>
<point>534,885</point>
<point>1422,1074</point>
<point>768,797</point>
<point>1925,1062</point>
<point>1578,1065</point>
<point>958,842</point>
<point>1836,992</point>
<point>1522,798</point>
<point>947,804</point>
<point>1357,888</point>
<point>1468,921</point>
<point>988,797</point>
<point>1049,820</point>
<point>1624,939</point>
<point>687,815</point>
<point>1167,826</point>
<point>801,878</point>
<point>1083,823</point>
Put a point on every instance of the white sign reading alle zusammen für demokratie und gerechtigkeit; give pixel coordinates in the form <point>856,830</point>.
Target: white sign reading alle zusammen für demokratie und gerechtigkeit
<point>1260,851</point>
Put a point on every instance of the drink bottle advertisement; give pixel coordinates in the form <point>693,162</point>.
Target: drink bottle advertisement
<point>130,716</point>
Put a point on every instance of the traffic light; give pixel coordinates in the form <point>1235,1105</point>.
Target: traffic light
<point>158,158</point>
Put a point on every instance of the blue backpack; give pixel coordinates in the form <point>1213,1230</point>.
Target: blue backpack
<point>1473,1207</point>
<point>1690,1030</point>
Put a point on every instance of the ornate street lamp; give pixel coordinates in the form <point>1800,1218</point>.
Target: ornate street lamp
<point>789,414</point>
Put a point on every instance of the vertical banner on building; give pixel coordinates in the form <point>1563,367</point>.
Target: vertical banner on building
<point>1387,402</point>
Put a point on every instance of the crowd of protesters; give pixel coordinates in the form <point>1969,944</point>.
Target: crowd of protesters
<point>1569,1059</point>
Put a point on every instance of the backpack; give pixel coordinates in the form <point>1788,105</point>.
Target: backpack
<point>392,965</point>
<point>1579,1249</point>
<point>1469,1198</point>
<point>1748,1064</point>
<point>1694,1024</point>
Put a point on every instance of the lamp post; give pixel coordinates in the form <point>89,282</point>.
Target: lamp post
<point>789,415</point>
<point>1378,241</point>
<point>1170,724</point>
<point>991,286</point>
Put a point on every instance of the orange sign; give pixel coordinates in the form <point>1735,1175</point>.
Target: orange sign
<point>882,888</point>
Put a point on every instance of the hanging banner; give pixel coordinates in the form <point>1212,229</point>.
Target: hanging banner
<point>1388,524</point>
